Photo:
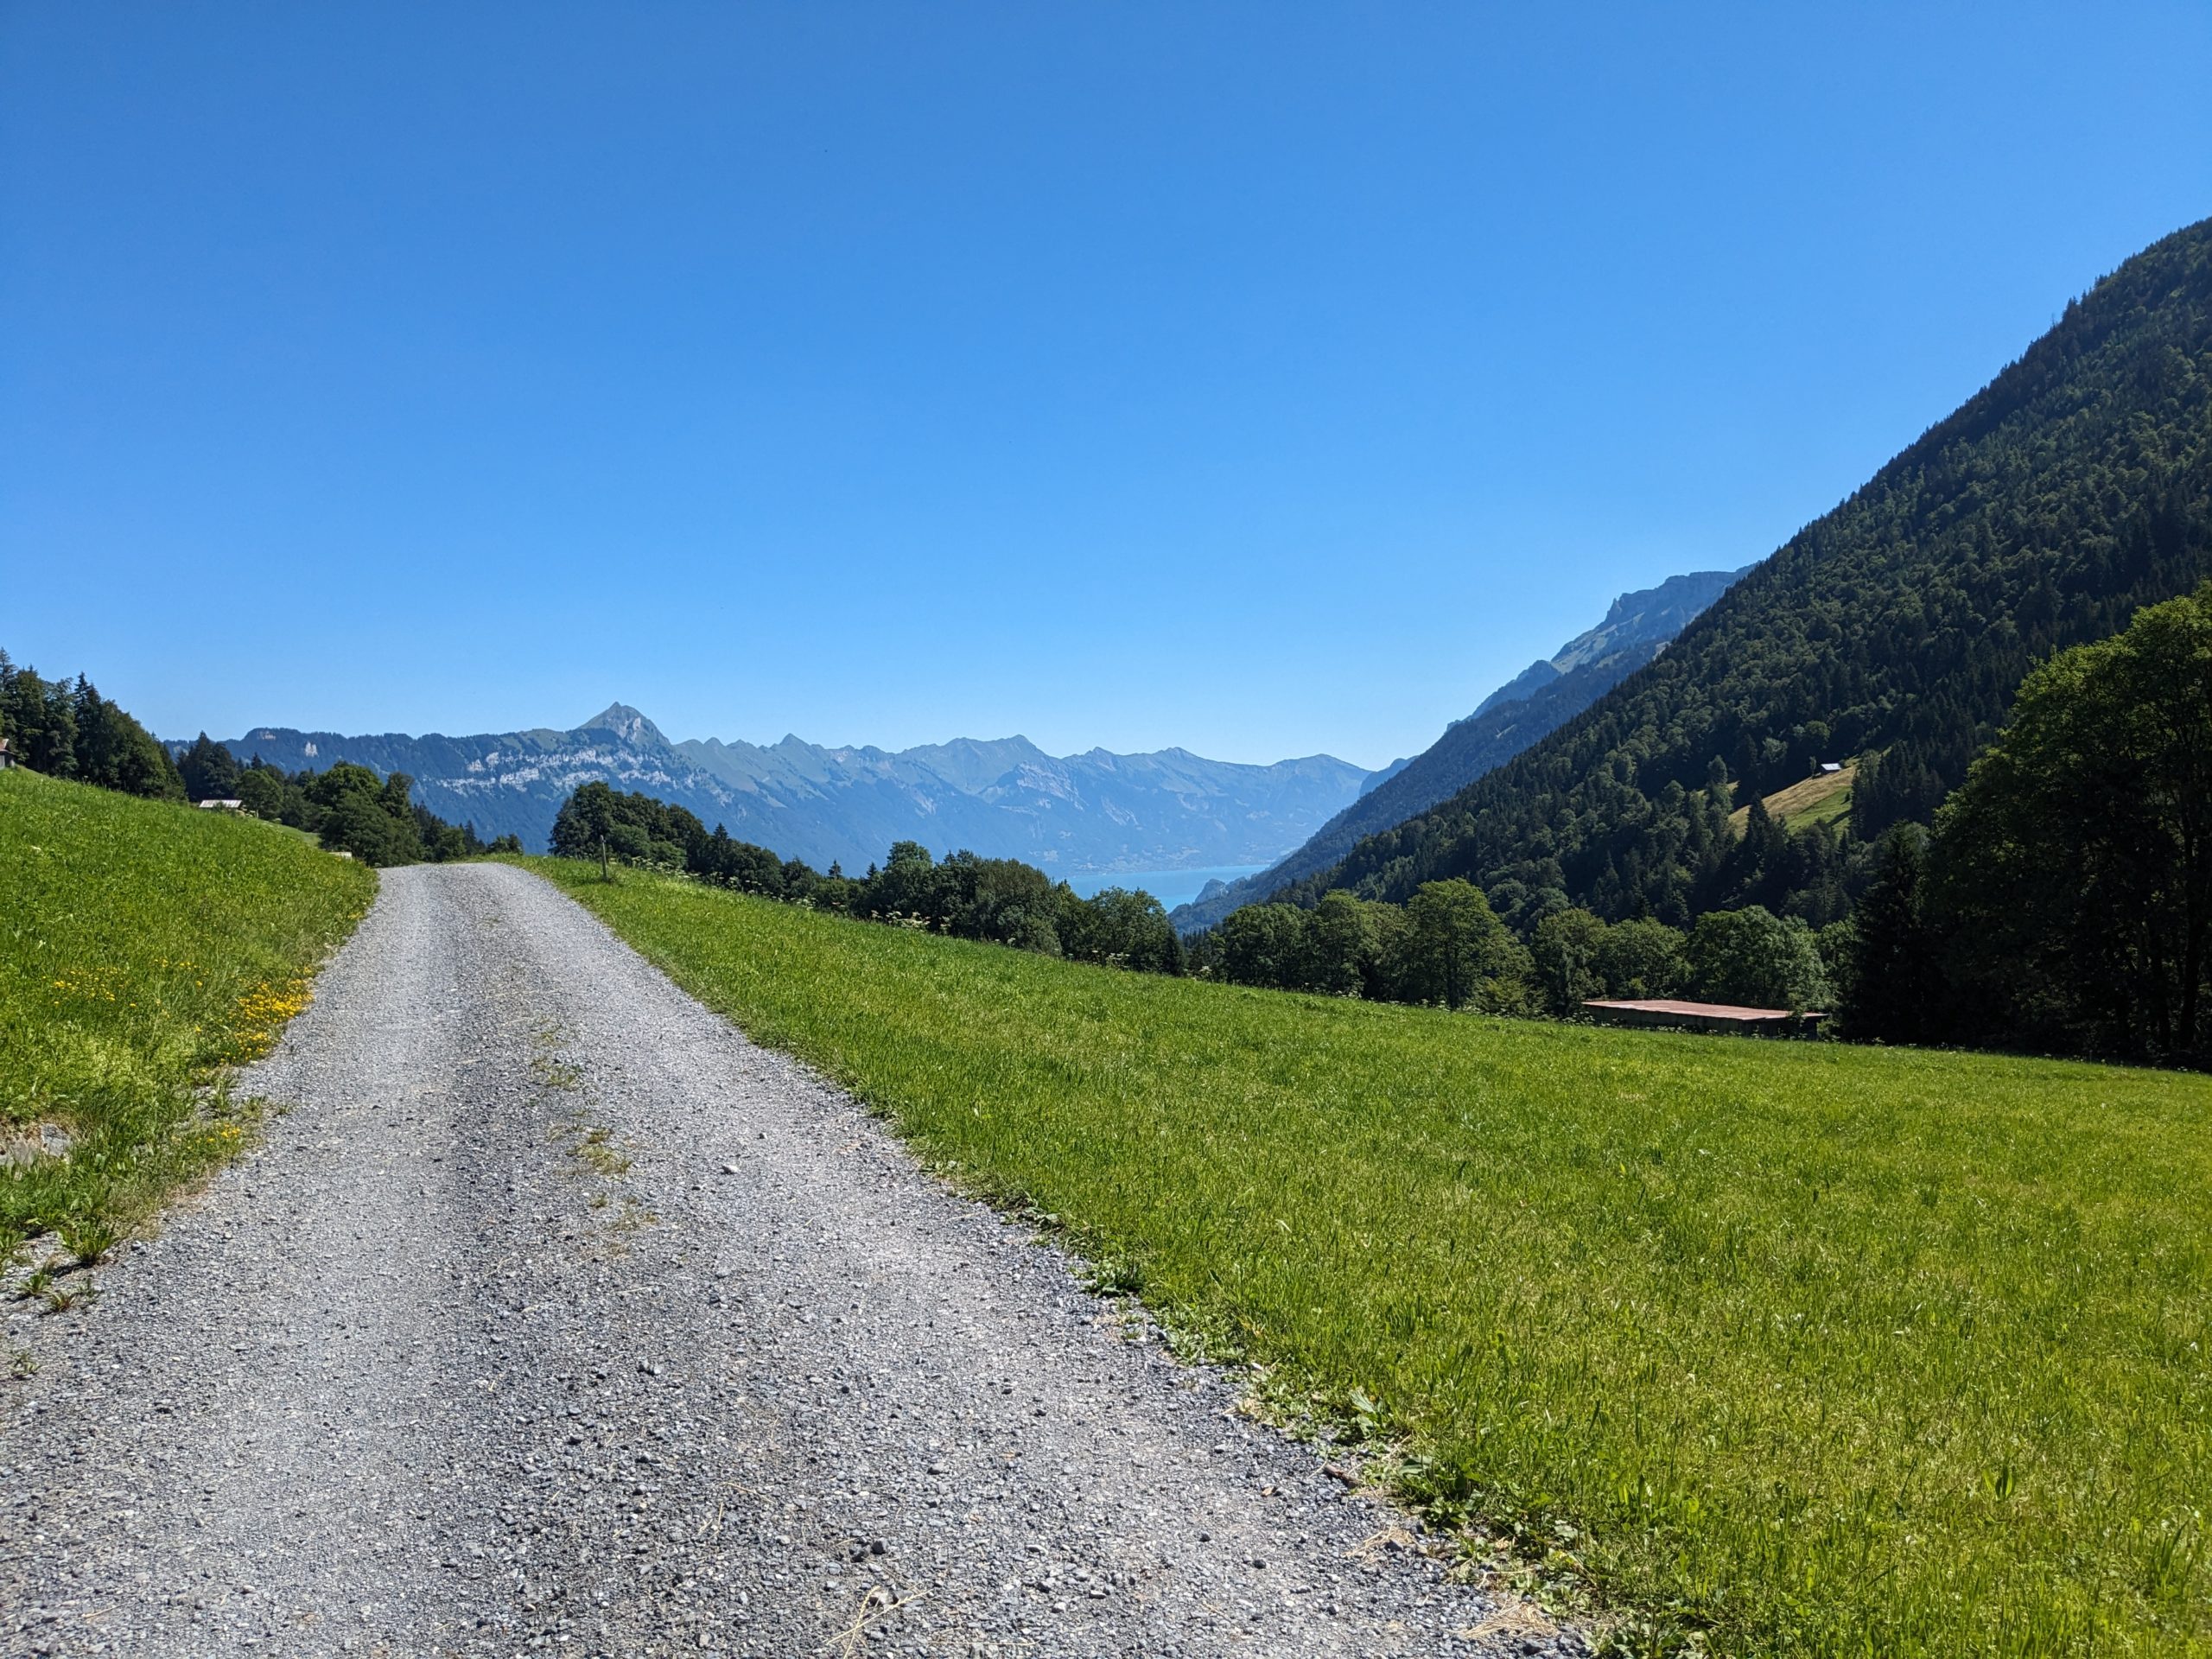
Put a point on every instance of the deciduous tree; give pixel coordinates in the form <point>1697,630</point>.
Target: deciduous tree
<point>2071,874</point>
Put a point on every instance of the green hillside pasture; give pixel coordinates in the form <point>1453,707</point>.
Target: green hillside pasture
<point>145,949</point>
<point>1825,798</point>
<point>1822,1350</point>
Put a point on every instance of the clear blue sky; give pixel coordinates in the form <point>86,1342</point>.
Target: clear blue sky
<point>1264,379</point>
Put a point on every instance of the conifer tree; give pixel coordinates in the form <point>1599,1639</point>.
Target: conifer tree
<point>1894,990</point>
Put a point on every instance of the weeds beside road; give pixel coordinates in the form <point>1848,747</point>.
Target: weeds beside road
<point>145,949</point>
<point>1815,1349</point>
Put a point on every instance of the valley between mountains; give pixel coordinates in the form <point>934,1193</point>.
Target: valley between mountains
<point>558,1317</point>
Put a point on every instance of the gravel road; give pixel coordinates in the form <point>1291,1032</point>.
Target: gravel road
<point>556,1317</point>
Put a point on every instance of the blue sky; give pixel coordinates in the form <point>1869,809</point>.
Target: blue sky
<point>1263,379</point>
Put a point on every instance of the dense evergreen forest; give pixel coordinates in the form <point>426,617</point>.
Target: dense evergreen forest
<point>66,729</point>
<point>2075,489</point>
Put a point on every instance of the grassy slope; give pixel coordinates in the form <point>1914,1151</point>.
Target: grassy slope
<point>1823,799</point>
<point>1839,1351</point>
<point>144,947</point>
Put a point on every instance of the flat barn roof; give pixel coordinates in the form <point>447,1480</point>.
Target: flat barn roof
<point>1699,1010</point>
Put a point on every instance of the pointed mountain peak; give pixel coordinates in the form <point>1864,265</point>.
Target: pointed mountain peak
<point>625,722</point>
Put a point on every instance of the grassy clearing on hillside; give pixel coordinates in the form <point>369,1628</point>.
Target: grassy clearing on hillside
<point>1822,799</point>
<point>1819,1350</point>
<point>144,947</point>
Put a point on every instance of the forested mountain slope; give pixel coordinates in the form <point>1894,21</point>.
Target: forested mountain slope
<point>1536,702</point>
<point>2074,488</point>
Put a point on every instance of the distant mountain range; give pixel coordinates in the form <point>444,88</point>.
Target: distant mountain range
<point>1078,814</point>
<point>1536,703</point>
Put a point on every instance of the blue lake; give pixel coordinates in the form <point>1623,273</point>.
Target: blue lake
<point>1171,888</point>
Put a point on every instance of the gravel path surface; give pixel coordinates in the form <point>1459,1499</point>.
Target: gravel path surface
<point>556,1317</point>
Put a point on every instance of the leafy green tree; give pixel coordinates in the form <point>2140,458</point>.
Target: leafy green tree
<point>1123,926</point>
<point>1567,952</point>
<point>2071,874</point>
<point>1032,929</point>
<point>396,795</point>
<point>1341,948</point>
<point>1837,945</point>
<point>1642,957</point>
<point>261,791</point>
<point>357,824</point>
<point>299,811</point>
<point>1265,945</point>
<point>740,864</point>
<point>599,822</point>
<point>1385,977</point>
<point>1460,953</point>
<point>366,815</point>
<point>584,826</point>
<point>1756,959</point>
<point>907,887</point>
<point>999,900</point>
<point>328,788</point>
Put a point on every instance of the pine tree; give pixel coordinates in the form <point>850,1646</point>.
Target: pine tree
<point>210,773</point>
<point>1894,989</point>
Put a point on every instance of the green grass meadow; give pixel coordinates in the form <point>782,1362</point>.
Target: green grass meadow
<point>145,949</point>
<point>1786,1348</point>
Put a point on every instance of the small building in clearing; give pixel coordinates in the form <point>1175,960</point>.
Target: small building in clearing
<point>1667,1011</point>
<point>222,806</point>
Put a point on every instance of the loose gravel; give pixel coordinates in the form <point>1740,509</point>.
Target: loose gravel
<point>556,1317</point>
